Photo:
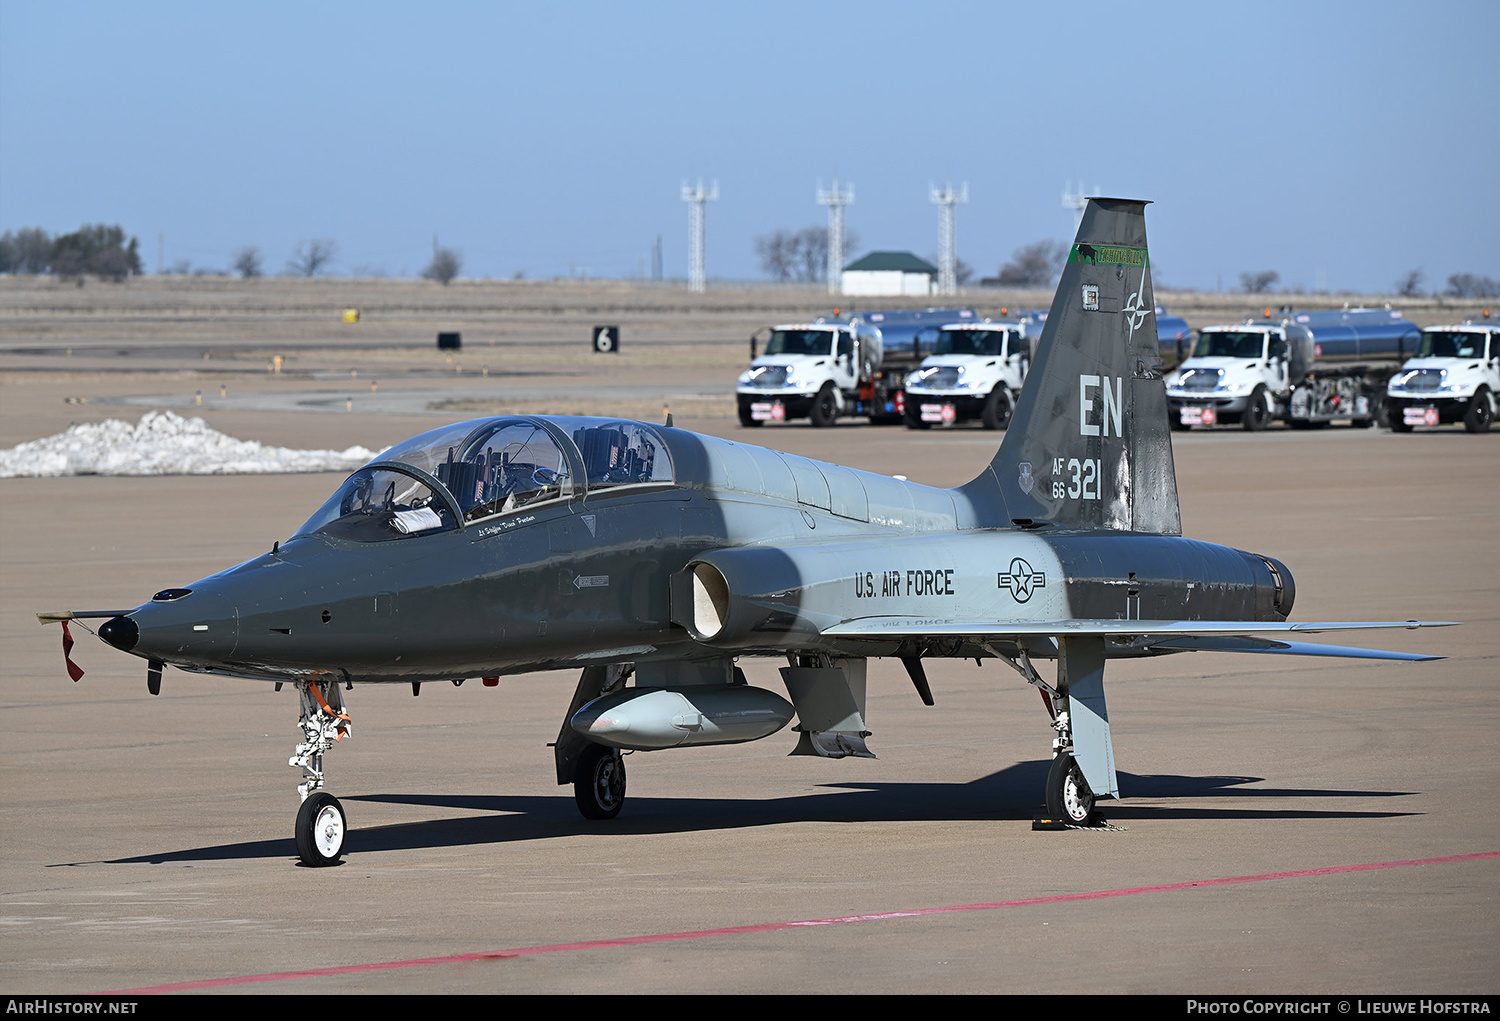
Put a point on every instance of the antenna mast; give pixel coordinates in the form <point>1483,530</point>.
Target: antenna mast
<point>835,200</point>
<point>1077,202</point>
<point>945,199</point>
<point>697,198</point>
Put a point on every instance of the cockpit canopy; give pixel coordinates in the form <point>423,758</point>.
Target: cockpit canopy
<point>488,467</point>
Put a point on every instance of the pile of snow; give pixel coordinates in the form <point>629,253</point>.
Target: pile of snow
<point>164,444</point>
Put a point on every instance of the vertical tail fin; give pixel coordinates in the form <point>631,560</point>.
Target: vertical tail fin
<point>1089,445</point>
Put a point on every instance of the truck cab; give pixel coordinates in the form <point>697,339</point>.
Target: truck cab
<point>809,370</point>
<point>976,370</point>
<point>1240,373</point>
<point>1453,377</point>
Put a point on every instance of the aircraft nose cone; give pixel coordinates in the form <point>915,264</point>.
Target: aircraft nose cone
<point>121,632</point>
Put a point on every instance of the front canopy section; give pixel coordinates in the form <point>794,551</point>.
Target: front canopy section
<point>377,504</point>
<point>489,467</point>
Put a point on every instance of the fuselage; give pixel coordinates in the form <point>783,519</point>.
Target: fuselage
<point>481,575</point>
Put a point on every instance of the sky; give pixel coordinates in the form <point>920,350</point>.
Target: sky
<point>1338,144</point>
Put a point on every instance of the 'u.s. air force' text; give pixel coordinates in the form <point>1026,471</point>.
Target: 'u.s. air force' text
<point>873,584</point>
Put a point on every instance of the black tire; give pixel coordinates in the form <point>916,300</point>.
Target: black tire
<point>599,782</point>
<point>1395,417</point>
<point>322,829</point>
<point>1479,416</point>
<point>1258,412</point>
<point>1068,795</point>
<point>825,407</point>
<point>1174,420</point>
<point>745,418</point>
<point>998,407</point>
<point>913,416</point>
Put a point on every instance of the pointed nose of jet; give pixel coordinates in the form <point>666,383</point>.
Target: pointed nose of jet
<point>121,632</point>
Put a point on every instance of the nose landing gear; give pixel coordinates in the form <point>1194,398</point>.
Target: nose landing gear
<point>321,823</point>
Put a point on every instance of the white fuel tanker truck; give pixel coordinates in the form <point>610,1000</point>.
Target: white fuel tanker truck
<point>1309,368</point>
<point>1454,377</point>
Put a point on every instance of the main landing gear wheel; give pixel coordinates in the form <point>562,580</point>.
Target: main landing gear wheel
<point>321,827</point>
<point>599,782</point>
<point>1068,795</point>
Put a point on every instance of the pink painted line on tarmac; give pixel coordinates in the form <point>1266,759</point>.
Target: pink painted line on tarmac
<point>737,930</point>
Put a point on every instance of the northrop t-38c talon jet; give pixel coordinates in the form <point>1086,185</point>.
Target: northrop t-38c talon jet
<point>652,554</point>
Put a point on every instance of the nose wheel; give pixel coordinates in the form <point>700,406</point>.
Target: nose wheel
<point>321,827</point>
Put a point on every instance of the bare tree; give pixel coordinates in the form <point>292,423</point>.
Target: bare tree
<point>25,251</point>
<point>247,262</point>
<point>1409,284</point>
<point>445,265</point>
<point>1258,283</point>
<point>1034,265</point>
<point>798,255</point>
<point>812,255</point>
<point>775,251</point>
<point>312,257</point>
<point>1469,285</point>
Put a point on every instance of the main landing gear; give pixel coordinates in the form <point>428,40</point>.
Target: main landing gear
<point>596,772</point>
<point>599,782</point>
<point>321,823</point>
<point>1068,794</point>
<point>1069,798</point>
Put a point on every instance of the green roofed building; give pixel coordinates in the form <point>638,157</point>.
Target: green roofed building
<point>890,273</point>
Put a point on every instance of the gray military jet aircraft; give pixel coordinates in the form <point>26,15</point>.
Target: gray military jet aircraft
<point>506,545</point>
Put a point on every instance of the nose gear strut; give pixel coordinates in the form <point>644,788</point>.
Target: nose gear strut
<point>321,824</point>
<point>324,723</point>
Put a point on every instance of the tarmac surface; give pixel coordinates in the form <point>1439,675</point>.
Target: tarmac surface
<point>1290,825</point>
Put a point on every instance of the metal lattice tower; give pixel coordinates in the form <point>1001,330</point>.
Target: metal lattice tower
<point>835,200</point>
<point>697,198</point>
<point>1076,201</point>
<point>945,199</point>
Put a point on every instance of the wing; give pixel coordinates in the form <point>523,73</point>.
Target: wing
<point>1161,635</point>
